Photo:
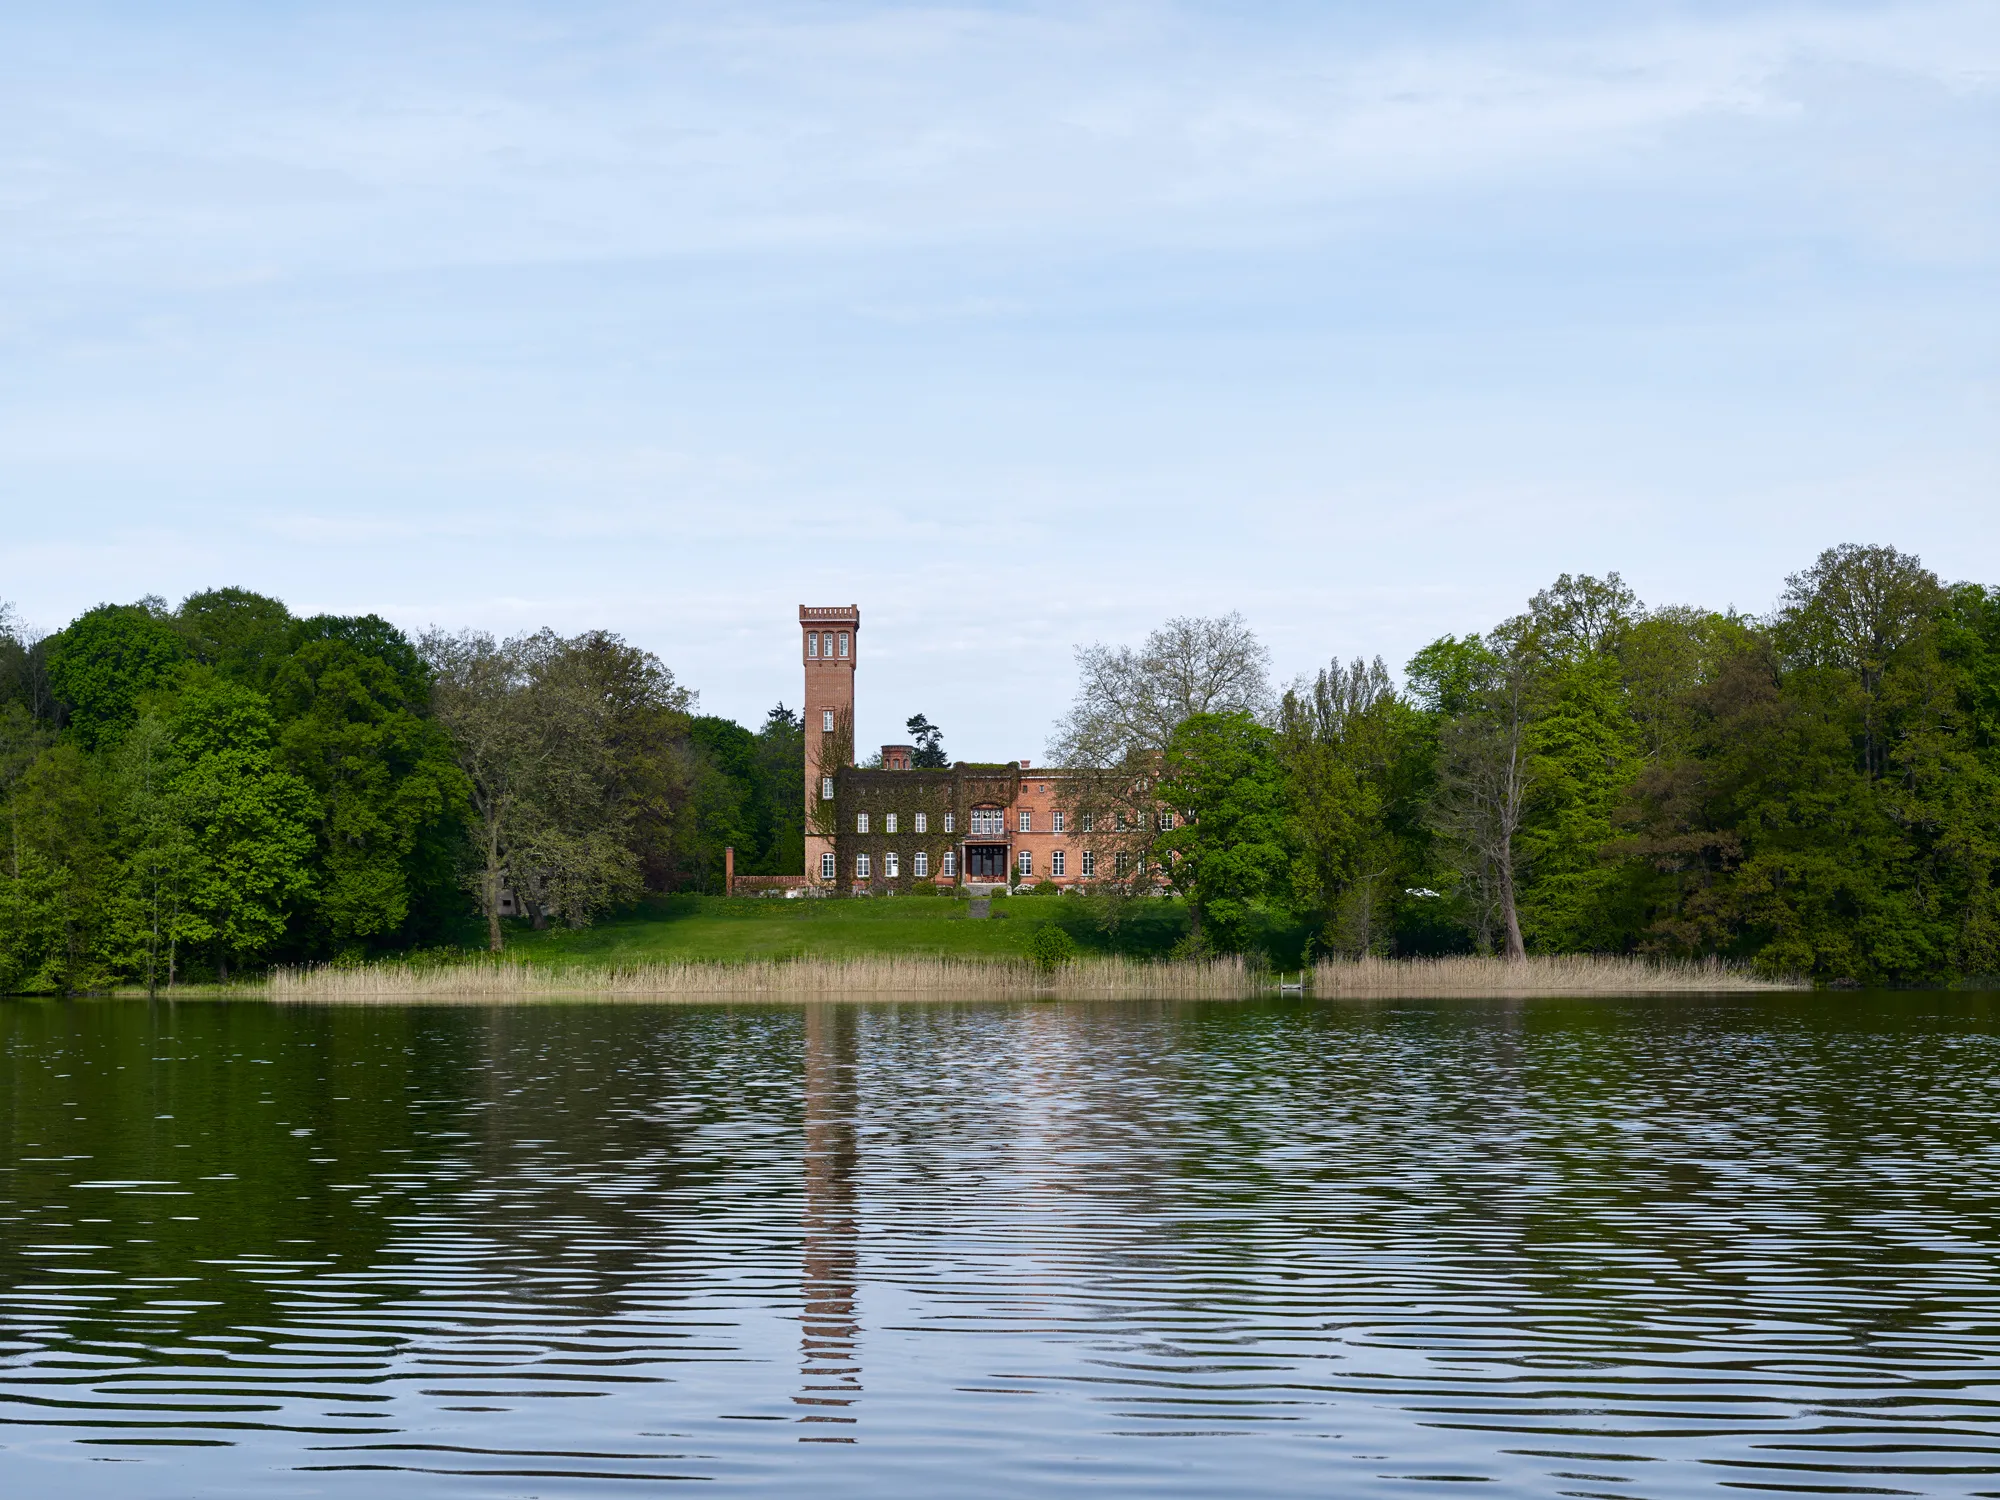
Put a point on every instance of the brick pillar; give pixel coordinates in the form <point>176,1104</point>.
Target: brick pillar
<point>829,647</point>
<point>729,870</point>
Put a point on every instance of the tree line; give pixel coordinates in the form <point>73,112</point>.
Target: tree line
<point>194,790</point>
<point>1815,791</point>
<point>191,791</point>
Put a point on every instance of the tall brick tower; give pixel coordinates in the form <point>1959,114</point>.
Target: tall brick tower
<point>829,645</point>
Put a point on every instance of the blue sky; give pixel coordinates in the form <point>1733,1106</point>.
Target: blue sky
<point>1018,325</point>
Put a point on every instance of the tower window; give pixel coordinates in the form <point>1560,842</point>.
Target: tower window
<point>922,825</point>
<point>843,643</point>
<point>861,822</point>
<point>826,721</point>
<point>812,643</point>
<point>1027,821</point>
<point>1089,863</point>
<point>889,824</point>
<point>826,867</point>
<point>1056,863</point>
<point>826,789</point>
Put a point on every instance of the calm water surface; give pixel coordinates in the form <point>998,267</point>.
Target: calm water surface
<point>1632,1248</point>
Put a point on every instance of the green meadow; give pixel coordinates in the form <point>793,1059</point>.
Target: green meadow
<point>670,928</point>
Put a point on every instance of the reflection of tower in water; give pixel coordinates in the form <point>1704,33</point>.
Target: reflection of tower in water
<point>827,1340</point>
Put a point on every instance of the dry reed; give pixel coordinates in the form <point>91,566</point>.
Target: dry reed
<point>1581,974</point>
<point>930,978</point>
<point>805,979</point>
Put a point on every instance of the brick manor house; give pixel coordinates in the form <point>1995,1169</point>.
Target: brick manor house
<point>879,831</point>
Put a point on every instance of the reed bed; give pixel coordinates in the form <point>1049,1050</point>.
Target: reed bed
<point>803,979</point>
<point>1583,974</point>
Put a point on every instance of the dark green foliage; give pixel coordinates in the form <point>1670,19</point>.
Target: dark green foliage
<point>747,792</point>
<point>106,662</point>
<point>242,635</point>
<point>929,740</point>
<point>353,699</point>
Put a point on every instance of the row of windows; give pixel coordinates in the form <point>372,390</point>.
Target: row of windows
<point>990,821</point>
<point>920,823</point>
<point>920,865</point>
<point>821,643</point>
<point>892,866</point>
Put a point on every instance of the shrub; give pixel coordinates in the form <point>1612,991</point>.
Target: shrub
<point>1050,948</point>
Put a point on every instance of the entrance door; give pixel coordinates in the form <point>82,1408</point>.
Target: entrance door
<point>986,861</point>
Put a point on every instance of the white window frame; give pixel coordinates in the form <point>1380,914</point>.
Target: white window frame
<point>826,789</point>
<point>861,822</point>
<point>843,645</point>
<point>892,866</point>
<point>812,645</point>
<point>826,721</point>
<point>1123,865</point>
<point>1085,821</point>
<point>828,867</point>
<point>888,822</point>
<point>948,866</point>
<point>949,820</point>
<point>922,824</point>
<point>1056,821</point>
<point>1089,863</point>
<point>1024,863</point>
<point>1056,862</point>
<point>920,865</point>
<point>862,867</point>
<point>1027,821</point>
<point>1166,821</point>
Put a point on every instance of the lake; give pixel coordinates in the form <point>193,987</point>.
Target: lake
<point>1641,1247</point>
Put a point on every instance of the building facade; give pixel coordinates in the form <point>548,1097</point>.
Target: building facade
<point>829,649</point>
<point>986,826</point>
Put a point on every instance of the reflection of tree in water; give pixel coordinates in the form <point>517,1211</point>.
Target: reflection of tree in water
<point>829,1331</point>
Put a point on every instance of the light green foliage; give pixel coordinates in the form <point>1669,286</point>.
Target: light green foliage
<point>249,823</point>
<point>1231,850</point>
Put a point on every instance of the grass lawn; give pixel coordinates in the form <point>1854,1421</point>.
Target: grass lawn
<point>666,928</point>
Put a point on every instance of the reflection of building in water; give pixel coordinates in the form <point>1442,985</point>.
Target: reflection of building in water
<point>828,1337</point>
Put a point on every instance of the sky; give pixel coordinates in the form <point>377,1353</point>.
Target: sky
<point>1020,326</point>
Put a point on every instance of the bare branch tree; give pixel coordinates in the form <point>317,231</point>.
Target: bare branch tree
<point>1128,704</point>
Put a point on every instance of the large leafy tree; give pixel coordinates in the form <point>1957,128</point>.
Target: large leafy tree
<point>249,822</point>
<point>354,698</point>
<point>569,752</point>
<point>1230,850</point>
